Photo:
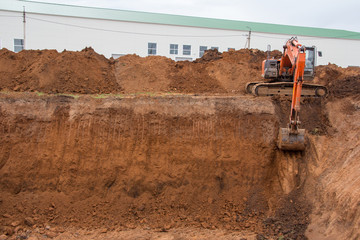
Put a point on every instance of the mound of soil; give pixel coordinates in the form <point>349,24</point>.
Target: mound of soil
<point>341,82</point>
<point>215,72</point>
<point>209,55</point>
<point>149,74</point>
<point>88,72</point>
<point>345,87</point>
<point>52,72</point>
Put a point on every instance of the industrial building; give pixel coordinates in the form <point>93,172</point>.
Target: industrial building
<point>113,33</point>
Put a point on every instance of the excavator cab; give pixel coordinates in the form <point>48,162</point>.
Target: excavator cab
<point>270,67</point>
<point>309,71</point>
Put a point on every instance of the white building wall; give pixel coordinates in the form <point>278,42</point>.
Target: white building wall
<point>10,28</point>
<point>115,37</point>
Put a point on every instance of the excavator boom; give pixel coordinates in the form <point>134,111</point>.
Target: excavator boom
<point>292,138</point>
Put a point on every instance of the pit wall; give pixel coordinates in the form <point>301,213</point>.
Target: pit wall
<point>333,174</point>
<point>69,145</point>
<point>179,159</point>
<point>173,161</point>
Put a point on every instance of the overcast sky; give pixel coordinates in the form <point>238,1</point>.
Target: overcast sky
<point>335,14</point>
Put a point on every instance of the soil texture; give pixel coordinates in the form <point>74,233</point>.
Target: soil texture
<point>150,148</point>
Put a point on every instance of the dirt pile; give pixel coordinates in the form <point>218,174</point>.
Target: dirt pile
<point>215,72</point>
<point>52,72</point>
<point>137,74</point>
<point>88,72</point>
<point>341,82</point>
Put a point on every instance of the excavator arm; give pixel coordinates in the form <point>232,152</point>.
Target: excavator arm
<point>298,81</point>
<point>292,137</point>
<point>288,60</point>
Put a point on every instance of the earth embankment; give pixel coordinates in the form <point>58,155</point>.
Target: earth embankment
<point>111,146</point>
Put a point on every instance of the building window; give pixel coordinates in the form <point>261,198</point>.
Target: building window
<point>151,48</point>
<point>18,45</point>
<point>183,59</point>
<point>186,49</point>
<point>173,49</point>
<point>117,55</point>
<point>202,50</point>
<point>213,48</point>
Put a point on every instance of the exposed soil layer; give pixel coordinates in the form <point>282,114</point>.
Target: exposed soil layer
<point>165,165</point>
<point>313,117</point>
<point>333,178</point>
<point>159,162</point>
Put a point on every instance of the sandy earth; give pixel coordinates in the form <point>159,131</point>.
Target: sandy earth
<point>149,148</point>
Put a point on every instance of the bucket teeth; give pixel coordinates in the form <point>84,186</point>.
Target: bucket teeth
<point>291,141</point>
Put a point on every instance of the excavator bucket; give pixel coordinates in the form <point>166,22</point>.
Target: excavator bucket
<point>291,141</point>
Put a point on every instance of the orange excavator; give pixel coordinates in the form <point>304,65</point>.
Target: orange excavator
<point>286,77</point>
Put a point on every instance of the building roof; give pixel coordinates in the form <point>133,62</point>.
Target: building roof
<point>168,19</point>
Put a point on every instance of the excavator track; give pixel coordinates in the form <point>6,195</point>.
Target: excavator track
<point>285,88</point>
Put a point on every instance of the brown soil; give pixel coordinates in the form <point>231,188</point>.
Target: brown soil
<point>341,82</point>
<point>171,166</point>
<point>52,72</point>
<point>88,72</point>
